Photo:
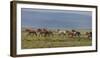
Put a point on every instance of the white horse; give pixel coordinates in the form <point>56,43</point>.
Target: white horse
<point>61,32</point>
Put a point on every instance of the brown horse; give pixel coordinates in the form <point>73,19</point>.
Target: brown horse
<point>47,32</point>
<point>39,32</point>
<point>70,34</point>
<point>31,32</point>
<point>44,32</point>
<point>88,35</point>
<point>73,33</point>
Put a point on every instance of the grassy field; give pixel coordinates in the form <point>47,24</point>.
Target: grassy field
<point>30,42</point>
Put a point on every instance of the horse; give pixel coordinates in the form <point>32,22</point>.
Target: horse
<point>39,32</point>
<point>70,34</point>
<point>31,32</point>
<point>51,33</point>
<point>44,32</point>
<point>73,33</point>
<point>61,32</point>
<point>76,33</point>
<point>88,34</point>
<point>47,32</point>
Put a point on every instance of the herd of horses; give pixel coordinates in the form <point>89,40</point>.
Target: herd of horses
<point>47,33</point>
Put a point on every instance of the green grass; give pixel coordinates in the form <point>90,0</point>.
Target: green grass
<point>30,42</point>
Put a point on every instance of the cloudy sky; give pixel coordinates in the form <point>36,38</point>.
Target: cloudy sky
<point>55,18</point>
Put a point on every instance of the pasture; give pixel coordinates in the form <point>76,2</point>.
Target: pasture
<point>32,41</point>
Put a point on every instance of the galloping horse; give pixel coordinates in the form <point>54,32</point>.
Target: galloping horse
<point>61,32</point>
<point>44,32</point>
<point>47,32</point>
<point>76,33</point>
<point>31,31</point>
<point>88,34</point>
<point>73,33</point>
<point>70,34</point>
<point>39,32</point>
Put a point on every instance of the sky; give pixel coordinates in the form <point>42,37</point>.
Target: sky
<point>49,18</point>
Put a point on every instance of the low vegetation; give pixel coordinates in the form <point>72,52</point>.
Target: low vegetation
<point>32,41</point>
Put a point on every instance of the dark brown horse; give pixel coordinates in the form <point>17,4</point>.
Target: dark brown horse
<point>39,32</point>
<point>88,35</point>
<point>76,33</point>
<point>44,32</point>
<point>47,32</point>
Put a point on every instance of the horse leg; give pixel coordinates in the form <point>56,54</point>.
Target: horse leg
<point>39,34</point>
<point>79,37</point>
<point>48,34</point>
<point>35,34</point>
<point>44,34</point>
<point>72,36</point>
